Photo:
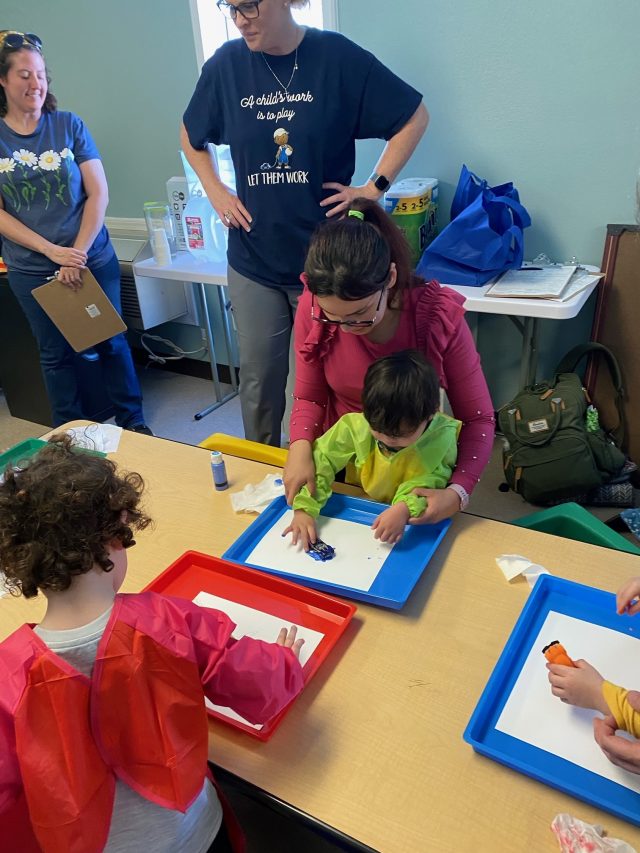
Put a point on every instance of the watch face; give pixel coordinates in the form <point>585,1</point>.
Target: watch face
<point>381,183</point>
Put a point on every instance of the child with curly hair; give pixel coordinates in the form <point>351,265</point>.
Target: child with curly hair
<point>103,726</point>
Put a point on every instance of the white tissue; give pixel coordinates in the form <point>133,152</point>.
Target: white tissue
<point>576,836</point>
<point>513,565</point>
<point>102,437</point>
<point>256,498</point>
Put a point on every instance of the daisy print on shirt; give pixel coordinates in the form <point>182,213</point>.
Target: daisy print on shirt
<point>27,177</point>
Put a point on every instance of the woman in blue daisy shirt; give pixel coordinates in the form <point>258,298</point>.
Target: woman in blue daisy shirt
<point>53,197</point>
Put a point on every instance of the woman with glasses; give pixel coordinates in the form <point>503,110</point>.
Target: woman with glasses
<point>362,302</point>
<point>53,197</point>
<point>290,102</point>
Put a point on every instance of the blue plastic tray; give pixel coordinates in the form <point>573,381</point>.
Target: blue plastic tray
<point>400,572</point>
<point>581,602</point>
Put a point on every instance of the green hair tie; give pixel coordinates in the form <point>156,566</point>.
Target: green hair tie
<point>357,213</point>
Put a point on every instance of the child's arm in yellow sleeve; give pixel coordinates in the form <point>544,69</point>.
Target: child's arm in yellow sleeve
<point>626,717</point>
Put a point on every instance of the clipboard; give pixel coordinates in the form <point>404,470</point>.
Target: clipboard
<point>84,317</point>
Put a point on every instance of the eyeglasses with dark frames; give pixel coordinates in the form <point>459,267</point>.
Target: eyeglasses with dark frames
<point>248,10</point>
<point>349,323</point>
<point>15,40</point>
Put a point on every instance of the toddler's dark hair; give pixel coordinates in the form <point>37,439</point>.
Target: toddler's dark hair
<point>59,513</point>
<point>400,392</point>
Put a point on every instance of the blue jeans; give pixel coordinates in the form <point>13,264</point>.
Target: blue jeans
<point>57,356</point>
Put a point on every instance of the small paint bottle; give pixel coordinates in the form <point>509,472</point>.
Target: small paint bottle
<point>219,471</point>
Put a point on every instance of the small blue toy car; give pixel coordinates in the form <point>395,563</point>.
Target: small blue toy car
<point>319,550</point>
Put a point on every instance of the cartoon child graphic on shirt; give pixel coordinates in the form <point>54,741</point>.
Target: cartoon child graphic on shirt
<point>281,139</point>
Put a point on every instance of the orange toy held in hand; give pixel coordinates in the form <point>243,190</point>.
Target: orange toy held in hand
<point>555,653</point>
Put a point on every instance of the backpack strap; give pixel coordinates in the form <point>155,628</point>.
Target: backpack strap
<point>571,360</point>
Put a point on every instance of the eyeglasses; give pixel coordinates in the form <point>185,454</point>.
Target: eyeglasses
<point>389,449</point>
<point>15,40</point>
<point>349,323</point>
<point>247,10</point>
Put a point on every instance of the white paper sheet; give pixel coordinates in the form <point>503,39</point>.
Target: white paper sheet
<point>261,626</point>
<point>359,556</point>
<point>534,715</point>
<point>102,437</point>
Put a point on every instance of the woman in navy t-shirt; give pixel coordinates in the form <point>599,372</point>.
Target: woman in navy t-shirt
<point>53,196</point>
<point>290,102</point>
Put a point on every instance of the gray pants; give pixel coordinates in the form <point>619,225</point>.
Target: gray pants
<point>264,320</point>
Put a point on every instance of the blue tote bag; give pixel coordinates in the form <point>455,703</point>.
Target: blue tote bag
<point>484,238</point>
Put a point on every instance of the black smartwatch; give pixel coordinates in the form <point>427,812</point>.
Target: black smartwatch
<point>380,182</point>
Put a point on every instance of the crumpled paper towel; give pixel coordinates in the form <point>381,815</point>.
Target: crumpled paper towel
<point>256,498</point>
<point>513,565</point>
<point>576,836</point>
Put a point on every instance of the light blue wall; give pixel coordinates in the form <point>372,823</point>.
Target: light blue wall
<point>128,68</point>
<point>545,94</point>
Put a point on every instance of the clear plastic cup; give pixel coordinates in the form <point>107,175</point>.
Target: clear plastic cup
<point>158,216</point>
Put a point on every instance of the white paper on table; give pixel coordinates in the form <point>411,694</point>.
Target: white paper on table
<point>579,282</point>
<point>358,560</point>
<point>533,282</point>
<point>102,437</point>
<point>513,565</point>
<point>260,626</point>
<point>533,714</point>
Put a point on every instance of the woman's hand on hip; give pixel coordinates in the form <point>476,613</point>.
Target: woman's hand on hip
<point>65,256</point>
<point>441,503</point>
<point>70,276</point>
<point>230,209</point>
<point>299,470</point>
<point>344,196</point>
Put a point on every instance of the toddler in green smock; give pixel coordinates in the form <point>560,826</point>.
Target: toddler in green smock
<point>400,442</point>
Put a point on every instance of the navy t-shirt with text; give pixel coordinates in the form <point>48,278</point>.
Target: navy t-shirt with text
<point>286,144</point>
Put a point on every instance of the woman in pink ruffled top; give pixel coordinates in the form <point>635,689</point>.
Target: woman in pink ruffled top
<point>361,302</point>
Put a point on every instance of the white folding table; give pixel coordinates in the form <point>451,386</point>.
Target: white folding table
<point>185,268</point>
<point>525,314</point>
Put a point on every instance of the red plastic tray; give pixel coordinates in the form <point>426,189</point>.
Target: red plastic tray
<point>194,572</point>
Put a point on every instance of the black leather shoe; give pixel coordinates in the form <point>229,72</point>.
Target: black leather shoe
<point>141,428</point>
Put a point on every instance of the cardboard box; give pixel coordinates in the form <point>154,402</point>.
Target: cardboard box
<point>178,195</point>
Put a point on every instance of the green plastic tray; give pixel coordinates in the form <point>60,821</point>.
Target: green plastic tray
<point>574,522</point>
<point>17,455</point>
<point>20,452</point>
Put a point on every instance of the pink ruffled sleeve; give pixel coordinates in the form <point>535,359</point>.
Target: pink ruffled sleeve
<point>446,341</point>
<point>254,678</point>
<point>311,392</point>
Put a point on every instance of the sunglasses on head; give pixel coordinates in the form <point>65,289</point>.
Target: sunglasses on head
<point>15,40</point>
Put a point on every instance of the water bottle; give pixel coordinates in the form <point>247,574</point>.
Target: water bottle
<point>219,471</point>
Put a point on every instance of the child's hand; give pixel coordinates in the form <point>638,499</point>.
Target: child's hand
<point>580,685</point>
<point>288,640</point>
<point>625,597</point>
<point>389,525</point>
<point>302,528</point>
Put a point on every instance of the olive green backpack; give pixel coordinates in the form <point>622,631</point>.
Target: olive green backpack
<point>549,452</point>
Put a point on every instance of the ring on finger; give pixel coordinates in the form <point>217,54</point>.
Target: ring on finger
<point>228,215</point>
